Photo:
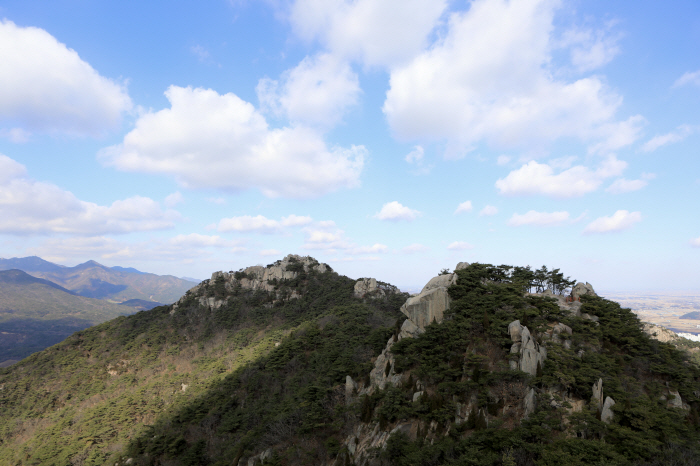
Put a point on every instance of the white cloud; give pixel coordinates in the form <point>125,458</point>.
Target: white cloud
<point>490,78</point>
<point>459,246</point>
<point>174,199</point>
<point>695,242</point>
<point>29,206</point>
<point>207,140</point>
<point>201,53</point>
<point>270,252</point>
<point>394,211</point>
<point>196,240</point>
<point>46,87</point>
<point>261,224</point>
<point>416,155</point>
<point>374,249</point>
<point>539,218</point>
<point>376,32</point>
<point>540,178</point>
<point>503,160</point>
<point>216,200</point>
<point>591,49</point>
<point>488,211</point>
<point>465,206</point>
<point>316,92</point>
<point>176,249</point>
<point>620,220</point>
<point>678,135</point>
<point>690,77</point>
<point>414,248</point>
<point>15,135</point>
<point>623,185</point>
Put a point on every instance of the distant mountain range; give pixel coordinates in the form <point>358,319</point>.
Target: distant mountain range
<point>36,313</point>
<point>94,280</point>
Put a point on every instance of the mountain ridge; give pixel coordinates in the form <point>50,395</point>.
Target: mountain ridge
<point>295,364</point>
<point>94,280</point>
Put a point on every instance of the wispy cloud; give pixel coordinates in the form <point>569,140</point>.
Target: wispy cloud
<point>619,221</point>
<point>539,218</point>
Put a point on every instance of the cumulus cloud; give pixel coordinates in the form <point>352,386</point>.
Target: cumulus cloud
<point>47,87</point>
<point>261,224</point>
<point>690,77</point>
<point>208,140</point>
<point>678,135</point>
<point>316,92</point>
<point>488,211</point>
<point>490,78</point>
<point>540,178</point>
<point>375,32</point>
<point>459,246</point>
<point>30,206</point>
<point>620,220</point>
<point>414,248</point>
<point>533,217</point>
<point>465,206</point>
<point>394,211</point>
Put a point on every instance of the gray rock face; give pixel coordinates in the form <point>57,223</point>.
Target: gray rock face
<point>530,402</point>
<point>431,303</point>
<point>461,265</point>
<point>660,333</point>
<point>606,414</point>
<point>583,289</point>
<point>350,388</point>
<point>427,307</point>
<point>597,398</point>
<point>409,330</point>
<point>364,286</point>
<point>675,400</point>
<point>531,353</point>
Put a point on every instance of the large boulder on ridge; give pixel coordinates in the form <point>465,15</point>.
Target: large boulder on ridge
<point>431,303</point>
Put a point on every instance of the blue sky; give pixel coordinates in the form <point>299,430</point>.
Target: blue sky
<point>388,139</point>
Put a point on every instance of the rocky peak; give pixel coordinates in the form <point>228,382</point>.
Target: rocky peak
<point>256,277</point>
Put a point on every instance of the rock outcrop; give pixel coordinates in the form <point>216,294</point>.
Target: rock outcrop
<point>660,333</point>
<point>530,402</point>
<point>530,353</point>
<point>583,289</point>
<point>422,309</point>
<point>369,287</point>
<point>254,278</point>
<point>606,414</point>
<point>597,397</point>
<point>431,303</point>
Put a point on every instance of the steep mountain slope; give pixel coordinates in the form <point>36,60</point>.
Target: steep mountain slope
<point>293,364</point>
<point>94,280</point>
<point>37,313</point>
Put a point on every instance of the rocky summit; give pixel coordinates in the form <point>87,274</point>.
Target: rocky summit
<point>293,364</point>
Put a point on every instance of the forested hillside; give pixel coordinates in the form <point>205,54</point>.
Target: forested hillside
<point>292,364</point>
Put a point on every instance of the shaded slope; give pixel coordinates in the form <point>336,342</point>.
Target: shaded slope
<point>37,313</point>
